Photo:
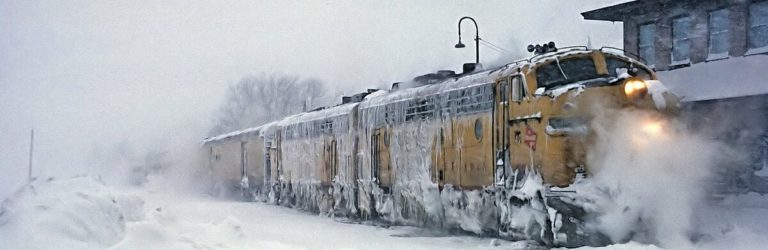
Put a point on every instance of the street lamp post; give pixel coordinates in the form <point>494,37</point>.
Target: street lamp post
<point>477,39</point>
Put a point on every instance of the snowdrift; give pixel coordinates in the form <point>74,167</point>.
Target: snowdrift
<point>78,213</point>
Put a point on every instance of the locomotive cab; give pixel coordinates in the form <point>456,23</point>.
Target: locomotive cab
<point>570,89</point>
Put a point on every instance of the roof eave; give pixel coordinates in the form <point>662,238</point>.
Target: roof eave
<point>600,16</point>
<point>613,13</point>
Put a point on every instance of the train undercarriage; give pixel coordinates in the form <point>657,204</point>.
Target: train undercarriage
<point>531,212</point>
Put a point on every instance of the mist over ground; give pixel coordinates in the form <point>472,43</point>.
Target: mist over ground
<point>101,81</point>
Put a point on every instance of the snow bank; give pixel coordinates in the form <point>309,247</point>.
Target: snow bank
<point>78,213</point>
<point>627,246</point>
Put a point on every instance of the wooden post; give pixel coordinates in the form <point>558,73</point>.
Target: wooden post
<point>31,148</point>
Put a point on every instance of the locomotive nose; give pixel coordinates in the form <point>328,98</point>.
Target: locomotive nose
<point>650,94</point>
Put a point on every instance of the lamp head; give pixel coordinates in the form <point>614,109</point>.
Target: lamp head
<point>459,45</point>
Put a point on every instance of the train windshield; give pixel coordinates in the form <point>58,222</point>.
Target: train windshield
<point>559,73</point>
<point>616,65</point>
<point>563,72</point>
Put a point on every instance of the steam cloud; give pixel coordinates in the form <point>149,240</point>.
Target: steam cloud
<point>649,173</point>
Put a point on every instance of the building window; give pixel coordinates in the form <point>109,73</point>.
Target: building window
<point>681,42</point>
<point>758,25</point>
<point>719,43</point>
<point>646,43</point>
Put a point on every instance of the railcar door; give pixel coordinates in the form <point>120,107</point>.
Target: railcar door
<point>267,164</point>
<point>381,163</point>
<point>522,138</point>
<point>438,159</point>
<point>501,130</point>
<point>243,161</point>
<point>333,160</point>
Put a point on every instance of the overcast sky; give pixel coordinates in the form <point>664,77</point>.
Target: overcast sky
<point>88,74</point>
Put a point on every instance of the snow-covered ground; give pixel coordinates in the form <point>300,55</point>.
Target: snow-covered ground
<point>83,213</point>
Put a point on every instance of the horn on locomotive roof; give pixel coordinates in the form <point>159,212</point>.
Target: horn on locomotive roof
<point>446,73</point>
<point>433,77</point>
<point>396,85</point>
<point>470,67</point>
<point>539,49</point>
<point>346,99</point>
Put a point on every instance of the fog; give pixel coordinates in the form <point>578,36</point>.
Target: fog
<point>96,79</point>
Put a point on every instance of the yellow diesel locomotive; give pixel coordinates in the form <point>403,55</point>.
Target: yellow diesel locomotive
<point>455,150</point>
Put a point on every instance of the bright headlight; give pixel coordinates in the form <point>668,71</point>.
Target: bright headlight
<point>650,131</point>
<point>653,128</point>
<point>635,87</point>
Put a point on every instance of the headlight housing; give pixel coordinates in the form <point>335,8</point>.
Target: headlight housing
<point>635,87</point>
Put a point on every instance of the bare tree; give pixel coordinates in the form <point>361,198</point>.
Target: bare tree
<point>255,100</point>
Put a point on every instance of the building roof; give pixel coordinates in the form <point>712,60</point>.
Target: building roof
<point>620,12</point>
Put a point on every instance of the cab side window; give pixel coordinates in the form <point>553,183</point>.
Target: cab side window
<point>518,90</point>
<point>503,95</point>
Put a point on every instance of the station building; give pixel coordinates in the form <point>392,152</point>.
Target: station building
<point>714,54</point>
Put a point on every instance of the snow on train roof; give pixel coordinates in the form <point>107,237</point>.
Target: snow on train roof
<point>382,97</point>
<point>466,81</point>
<point>461,82</point>
<point>319,114</point>
<point>245,133</point>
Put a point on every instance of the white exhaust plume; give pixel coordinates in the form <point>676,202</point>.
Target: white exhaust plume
<point>649,174</point>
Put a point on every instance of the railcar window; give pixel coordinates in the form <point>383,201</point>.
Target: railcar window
<point>517,89</point>
<point>478,129</point>
<point>503,89</point>
<point>389,115</point>
<point>341,124</point>
<point>445,105</point>
<point>327,127</point>
<point>567,71</point>
<point>470,100</point>
<point>567,125</point>
<point>419,109</point>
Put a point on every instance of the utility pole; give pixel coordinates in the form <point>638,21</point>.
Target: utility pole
<point>31,148</point>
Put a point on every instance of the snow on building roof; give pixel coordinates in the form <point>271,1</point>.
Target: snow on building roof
<point>733,77</point>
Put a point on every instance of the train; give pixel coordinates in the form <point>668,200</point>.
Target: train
<point>486,151</point>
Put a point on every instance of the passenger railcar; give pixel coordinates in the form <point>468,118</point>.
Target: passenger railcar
<point>456,150</point>
<point>236,162</point>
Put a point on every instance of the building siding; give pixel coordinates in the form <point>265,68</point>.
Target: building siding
<point>663,13</point>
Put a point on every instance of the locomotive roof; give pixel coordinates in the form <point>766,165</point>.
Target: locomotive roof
<point>466,81</point>
<point>383,97</point>
<point>334,111</point>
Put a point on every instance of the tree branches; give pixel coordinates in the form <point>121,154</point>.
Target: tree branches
<point>255,100</point>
